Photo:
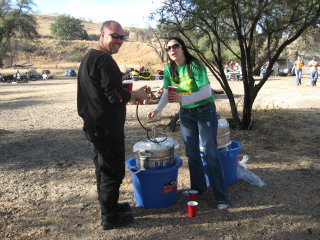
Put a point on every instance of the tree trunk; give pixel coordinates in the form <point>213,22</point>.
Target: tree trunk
<point>247,112</point>
<point>172,125</point>
<point>234,110</point>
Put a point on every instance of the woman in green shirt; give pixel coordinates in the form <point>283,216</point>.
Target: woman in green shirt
<point>198,117</point>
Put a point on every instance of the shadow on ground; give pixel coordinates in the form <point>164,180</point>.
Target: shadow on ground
<point>56,166</point>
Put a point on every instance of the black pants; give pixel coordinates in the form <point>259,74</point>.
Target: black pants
<point>109,162</point>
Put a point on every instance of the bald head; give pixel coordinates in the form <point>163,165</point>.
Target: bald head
<point>108,24</point>
<point>111,37</point>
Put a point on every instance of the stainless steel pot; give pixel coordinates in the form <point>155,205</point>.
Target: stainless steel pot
<point>223,134</point>
<point>152,160</point>
<point>151,155</point>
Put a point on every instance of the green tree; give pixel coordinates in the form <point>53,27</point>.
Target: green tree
<point>307,45</point>
<point>66,27</point>
<point>251,31</point>
<point>16,25</point>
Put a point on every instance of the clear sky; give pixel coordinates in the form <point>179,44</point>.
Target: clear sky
<point>129,13</point>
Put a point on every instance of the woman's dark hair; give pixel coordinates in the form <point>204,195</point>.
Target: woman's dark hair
<point>189,60</point>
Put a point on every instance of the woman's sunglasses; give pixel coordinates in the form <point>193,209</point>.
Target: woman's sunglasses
<point>174,46</point>
<point>116,36</point>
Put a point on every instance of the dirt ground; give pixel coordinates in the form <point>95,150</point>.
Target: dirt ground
<point>47,184</point>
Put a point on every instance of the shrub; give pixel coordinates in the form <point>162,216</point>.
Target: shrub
<point>68,28</point>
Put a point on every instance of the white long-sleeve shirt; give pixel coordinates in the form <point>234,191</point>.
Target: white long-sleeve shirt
<point>203,93</point>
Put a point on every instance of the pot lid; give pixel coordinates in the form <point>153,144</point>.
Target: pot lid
<point>163,145</point>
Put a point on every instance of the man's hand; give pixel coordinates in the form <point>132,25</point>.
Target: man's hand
<point>139,95</point>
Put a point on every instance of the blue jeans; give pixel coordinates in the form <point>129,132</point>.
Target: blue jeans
<point>298,76</point>
<point>314,78</point>
<point>203,122</point>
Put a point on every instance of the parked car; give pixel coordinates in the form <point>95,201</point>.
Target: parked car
<point>283,72</point>
<point>33,75</point>
<point>70,73</point>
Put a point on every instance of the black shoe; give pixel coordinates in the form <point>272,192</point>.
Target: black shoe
<point>124,219</point>
<point>124,207</point>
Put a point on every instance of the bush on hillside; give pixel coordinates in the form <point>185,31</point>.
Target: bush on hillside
<point>68,28</point>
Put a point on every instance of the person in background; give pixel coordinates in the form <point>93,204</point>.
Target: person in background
<point>232,65</point>
<point>239,73</point>
<point>101,103</point>
<point>198,117</point>
<point>298,64</point>
<point>275,69</point>
<point>313,64</point>
<point>227,72</point>
<point>45,74</point>
<point>17,76</point>
<point>263,69</point>
<point>28,75</point>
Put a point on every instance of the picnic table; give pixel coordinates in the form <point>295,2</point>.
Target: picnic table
<point>233,74</point>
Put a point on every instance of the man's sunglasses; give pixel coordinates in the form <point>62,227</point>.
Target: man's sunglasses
<point>116,36</point>
<point>174,46</point>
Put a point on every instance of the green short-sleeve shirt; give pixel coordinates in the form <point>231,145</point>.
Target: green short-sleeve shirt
<point>187,86</point>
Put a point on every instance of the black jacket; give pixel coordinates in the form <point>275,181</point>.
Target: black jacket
<point>101,98</point>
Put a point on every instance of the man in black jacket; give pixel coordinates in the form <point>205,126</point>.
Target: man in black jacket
<point>102,105</point>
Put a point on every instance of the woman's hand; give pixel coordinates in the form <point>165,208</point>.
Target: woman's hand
<point>174,97</point>
<point>152,114</point>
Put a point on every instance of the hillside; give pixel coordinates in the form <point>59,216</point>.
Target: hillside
<point>44,21</point>
<point>49,53</point>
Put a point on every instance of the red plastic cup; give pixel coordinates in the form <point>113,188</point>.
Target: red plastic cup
<point>172,89</point>
<point>127,85</point>
<point>192,209</point>
<point>193,195</point>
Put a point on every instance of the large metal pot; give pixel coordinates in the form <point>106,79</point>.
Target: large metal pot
<point>150,155</point>
<point>223,134</point>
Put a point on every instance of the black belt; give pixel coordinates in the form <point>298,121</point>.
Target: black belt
<point>197,108</point>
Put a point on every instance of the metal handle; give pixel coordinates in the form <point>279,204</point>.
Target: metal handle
<point>135,168</point>
<point>144,154</point>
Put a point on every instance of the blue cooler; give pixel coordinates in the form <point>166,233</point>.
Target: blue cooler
<point>229,161</point>
<point>154,188</point>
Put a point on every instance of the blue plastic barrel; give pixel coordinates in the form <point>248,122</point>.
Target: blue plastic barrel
<point>154,188</point>
<point>229,160</point>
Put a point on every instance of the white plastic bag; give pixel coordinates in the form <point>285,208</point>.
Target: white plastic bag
<point>244,174</point>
